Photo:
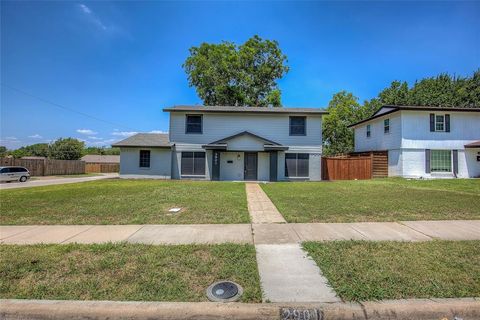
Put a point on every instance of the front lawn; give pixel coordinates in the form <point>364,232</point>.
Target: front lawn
<point>362,271</point>
<point>376,200</point>
<point>125,271</point>
<point>119,201</point>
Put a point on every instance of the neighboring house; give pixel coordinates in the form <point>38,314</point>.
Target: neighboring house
<point>229,143</point>
<point>429,142</point>
<point>94,158</point>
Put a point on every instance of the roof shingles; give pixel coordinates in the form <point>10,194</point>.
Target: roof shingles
<point>159,140</point>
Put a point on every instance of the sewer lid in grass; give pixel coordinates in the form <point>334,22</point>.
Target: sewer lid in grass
<point>224,291</point>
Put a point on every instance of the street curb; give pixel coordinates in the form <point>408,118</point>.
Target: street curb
<point>419,309</point>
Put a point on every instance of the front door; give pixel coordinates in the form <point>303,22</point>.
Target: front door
<point>250,172</point>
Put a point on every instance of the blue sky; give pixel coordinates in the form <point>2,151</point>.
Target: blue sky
<point>121,61</point>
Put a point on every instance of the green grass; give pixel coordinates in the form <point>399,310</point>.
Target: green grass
<point>125,271</point>
<point>119,201</point>
<point>376,200</point>
<point>362,271</point>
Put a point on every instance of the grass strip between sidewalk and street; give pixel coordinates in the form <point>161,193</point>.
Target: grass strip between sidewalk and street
<point>377,200</point>
<point>125,271</point>
<point>364,271</point>
<point>119,201</point>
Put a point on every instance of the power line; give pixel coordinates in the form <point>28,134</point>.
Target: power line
<point>65,108</point>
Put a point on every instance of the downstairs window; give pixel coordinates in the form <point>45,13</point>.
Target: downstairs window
<point>193,164</point>
<point>440,161</point>
<point>296,165</point>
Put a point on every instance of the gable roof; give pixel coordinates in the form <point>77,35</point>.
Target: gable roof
<point>234,109</point>
<point>224,140</point>
<point>393,108</point>
<point>158,140</point>
<point>97,158</point>
<point>222,143</point>
<point>475,144</point>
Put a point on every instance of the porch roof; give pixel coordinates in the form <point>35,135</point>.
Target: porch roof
<point>475,144</point>
<point>222,144</point>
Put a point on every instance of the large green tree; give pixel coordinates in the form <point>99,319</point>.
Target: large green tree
<point>443,90</point>
<point>67,149</point>
<point>36,150</point>
<point>344,109</point>
<point>237,75</point>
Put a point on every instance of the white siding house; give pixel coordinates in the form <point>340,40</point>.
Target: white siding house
<point>428,142</point>
<point>229,143</point>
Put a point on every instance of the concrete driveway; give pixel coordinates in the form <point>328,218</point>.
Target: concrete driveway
<point>54,181</point>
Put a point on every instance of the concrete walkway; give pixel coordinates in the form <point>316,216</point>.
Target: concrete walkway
<point>54,181</point>
<point>260,207</point>
<point>146,234</point>
<point>242,233</point>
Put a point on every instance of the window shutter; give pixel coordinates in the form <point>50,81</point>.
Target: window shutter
<point>455,162</point>
<point>447,123</point>
<point>432,122</point>
<point>427,160</point>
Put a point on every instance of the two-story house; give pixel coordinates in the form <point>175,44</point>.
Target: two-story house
<point>229,143</point>
<point>428,142</point>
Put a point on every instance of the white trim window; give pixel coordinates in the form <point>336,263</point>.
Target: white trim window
<point>386,126</point>
<point>441,161</point>
<point>440,122</point>
<point>369,131</point>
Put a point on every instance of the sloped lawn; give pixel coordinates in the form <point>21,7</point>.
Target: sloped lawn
<point>125,271</point>
<point>376,200</point>
<point>363,270</point>
<point>119,201</point>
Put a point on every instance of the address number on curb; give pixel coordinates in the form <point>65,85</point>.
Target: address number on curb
<point>300,314</point>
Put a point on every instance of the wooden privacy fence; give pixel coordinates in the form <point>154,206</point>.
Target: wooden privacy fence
<point>361,165</point>
<point>102,167</point>
<point>341,168</point>
<point>46,167</point>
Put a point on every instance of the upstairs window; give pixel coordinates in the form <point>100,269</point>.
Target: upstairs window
<point>386,126</point>
<point>439,122</point>
<point>296,165</point>
<point>144,159</point>
<point>298,126</point>
<point>193,124</point>
<point>369,132</point>
<point>193,164</point>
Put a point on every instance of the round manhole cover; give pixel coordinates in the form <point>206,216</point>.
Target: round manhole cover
<point>224,291</point>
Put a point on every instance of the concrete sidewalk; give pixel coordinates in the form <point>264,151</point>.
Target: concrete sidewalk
<point>260,207</point>
<point>242,233</point>
<point>54,181</point>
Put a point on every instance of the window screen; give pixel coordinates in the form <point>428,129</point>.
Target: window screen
<point>297,126</point>
<point>439,123</point>
<point>440,160</point>
<point>386,125</point>
<point>193,164</point>
<point>144,159</point>
<point>369,132</point>
<point>193,124</point>
<point>296,165</point>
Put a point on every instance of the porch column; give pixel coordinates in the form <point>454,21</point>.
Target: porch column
<point>216,165</point>
<point>273,165</point>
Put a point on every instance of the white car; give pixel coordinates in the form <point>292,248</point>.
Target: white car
<point>8,174</point>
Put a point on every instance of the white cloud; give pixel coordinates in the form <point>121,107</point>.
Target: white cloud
<point>92,17</point>
<point>158,131</point>
<point>124,133</point>
<point>36,136</point>
<point>95,138</point>
<point>86,131</point>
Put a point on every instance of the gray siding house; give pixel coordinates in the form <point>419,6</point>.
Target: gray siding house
<point>229,143</point>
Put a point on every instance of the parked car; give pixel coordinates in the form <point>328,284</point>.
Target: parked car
<point>14,174</point>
